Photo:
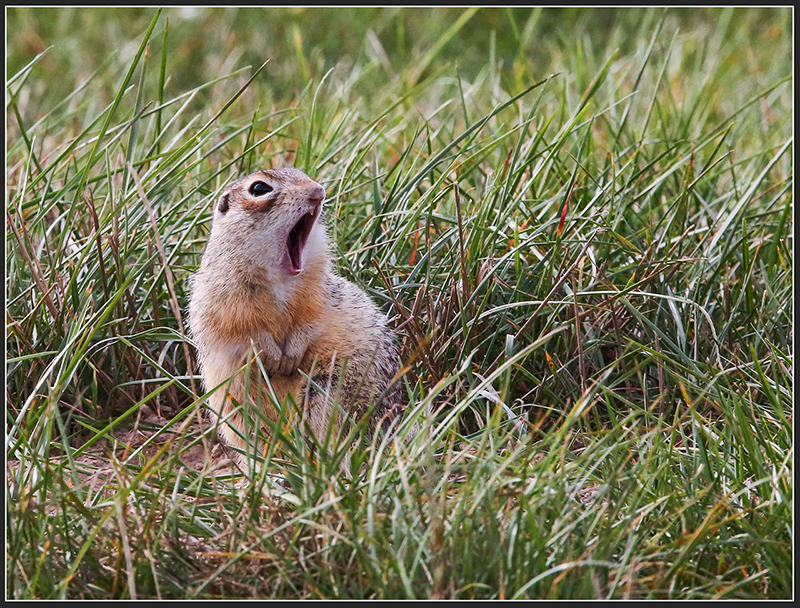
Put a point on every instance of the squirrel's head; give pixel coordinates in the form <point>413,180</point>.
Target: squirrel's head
<point>272,217</point>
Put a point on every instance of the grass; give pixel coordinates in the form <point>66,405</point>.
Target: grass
<point>579,221</point>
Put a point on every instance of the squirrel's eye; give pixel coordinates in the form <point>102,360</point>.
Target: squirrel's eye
<point>260,189</point>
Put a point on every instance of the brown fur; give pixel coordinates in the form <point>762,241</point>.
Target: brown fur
<point>315,322</point>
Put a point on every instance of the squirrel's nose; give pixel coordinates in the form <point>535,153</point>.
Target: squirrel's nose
<point>316,194</point>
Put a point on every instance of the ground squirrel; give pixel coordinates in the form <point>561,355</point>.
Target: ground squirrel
<point>266,281</point>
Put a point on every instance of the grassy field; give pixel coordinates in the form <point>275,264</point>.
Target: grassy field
<point>578,221</point>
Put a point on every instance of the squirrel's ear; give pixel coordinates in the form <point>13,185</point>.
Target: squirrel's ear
<point>224,203</point>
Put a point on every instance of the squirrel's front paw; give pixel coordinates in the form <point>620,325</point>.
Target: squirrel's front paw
<point>295,347</point>
<point>271,354</point>
<point>293,352</point>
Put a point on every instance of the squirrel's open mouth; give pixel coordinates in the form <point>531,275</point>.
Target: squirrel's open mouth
<point>296,242</point>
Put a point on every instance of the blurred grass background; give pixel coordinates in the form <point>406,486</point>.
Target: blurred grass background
<point>525,44</point>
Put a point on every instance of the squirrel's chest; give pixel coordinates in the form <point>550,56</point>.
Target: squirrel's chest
<point>227,360</point>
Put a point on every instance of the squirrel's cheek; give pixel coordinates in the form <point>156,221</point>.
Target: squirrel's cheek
<point>257,205</point>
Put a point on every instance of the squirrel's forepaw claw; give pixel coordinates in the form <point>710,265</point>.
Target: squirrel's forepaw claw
<point>289,365</point>
<point>272,366</point>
